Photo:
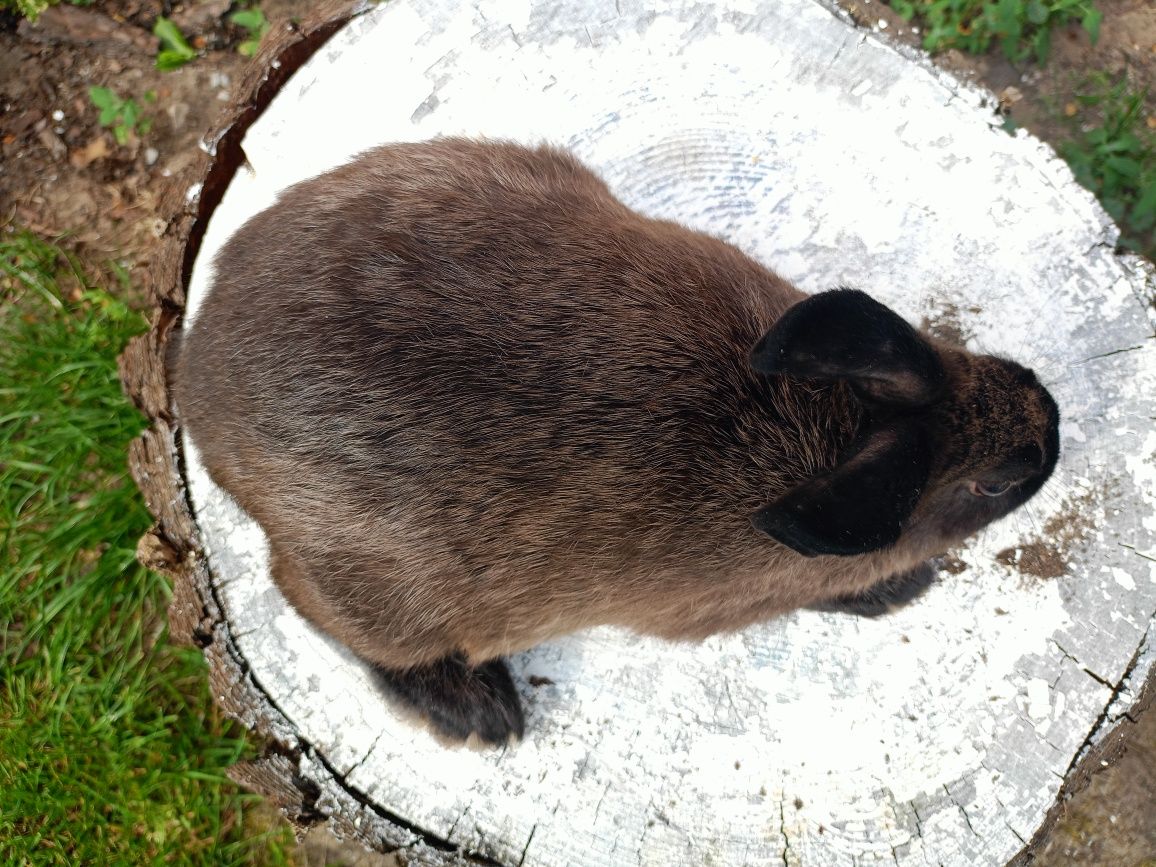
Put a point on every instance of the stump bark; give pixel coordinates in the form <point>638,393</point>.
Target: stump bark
<point>949,733</point>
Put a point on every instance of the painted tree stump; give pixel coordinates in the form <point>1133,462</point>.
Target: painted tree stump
<point>947,733</point>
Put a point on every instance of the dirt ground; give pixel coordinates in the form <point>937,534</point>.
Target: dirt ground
<point>1042,99</point>
<point>62,175</point>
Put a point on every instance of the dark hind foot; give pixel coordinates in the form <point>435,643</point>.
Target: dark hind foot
<point>459,700</point>
<point>884,597</point>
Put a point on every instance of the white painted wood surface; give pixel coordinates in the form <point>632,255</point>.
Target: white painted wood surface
<point>939,735</point>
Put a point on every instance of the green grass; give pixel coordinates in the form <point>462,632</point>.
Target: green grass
<point>1115,158</point>
<point>111,751</point>
<point>1022,28</point>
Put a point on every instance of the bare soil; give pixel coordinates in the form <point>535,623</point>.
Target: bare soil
<point>64,176</point>
<point>1042,100</point>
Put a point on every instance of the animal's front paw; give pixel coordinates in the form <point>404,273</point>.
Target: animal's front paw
<point>460,700</point>
<point>886,596</point>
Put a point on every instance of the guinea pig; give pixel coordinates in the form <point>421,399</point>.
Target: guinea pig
<point>475,402</point>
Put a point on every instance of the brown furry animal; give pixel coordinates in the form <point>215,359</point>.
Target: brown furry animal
<point>476,402</point>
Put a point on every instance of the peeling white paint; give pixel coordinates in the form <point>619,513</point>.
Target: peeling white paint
<point>1070,430</point>
<point>1123,579</point>
<point>1039,699</point>
<point>937,735</point>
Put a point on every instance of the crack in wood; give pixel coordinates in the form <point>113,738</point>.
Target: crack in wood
<point>458,819</point>
<point>368,753</point>
<point>526,848</point>
<point>420,835</point>
<point>1096,677</point>
<point>1137,552</point>
<point>838,53</point>
<point>1015,833</point>
<point>783,829</point>
<point>1007,824</point>
<point>598,806</point>
<point>966,818</point>
<point>1099,245</point>
<point>1109,354</point>
<point>1105,714</point>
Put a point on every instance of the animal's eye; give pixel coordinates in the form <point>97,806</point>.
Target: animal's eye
<point>990,489</point>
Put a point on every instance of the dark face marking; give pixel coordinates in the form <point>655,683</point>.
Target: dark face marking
<point>1000,438</point>
<point>951,441</point>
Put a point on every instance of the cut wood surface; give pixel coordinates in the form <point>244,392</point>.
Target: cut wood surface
<point>943,734</point>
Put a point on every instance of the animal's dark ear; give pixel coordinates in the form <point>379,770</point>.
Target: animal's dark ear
<point>859,506</point>
<point>845,334</point>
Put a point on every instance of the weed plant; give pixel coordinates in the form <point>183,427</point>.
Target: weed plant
<point>255,25</point>
<point>123,116</point>
<point>1023,28</point>
<point>27,8</point>
<point>1115,158</point>
<point>175,49</point>
<point>111,751</point>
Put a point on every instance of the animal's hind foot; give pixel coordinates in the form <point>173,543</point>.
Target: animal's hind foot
<point>460,700</point>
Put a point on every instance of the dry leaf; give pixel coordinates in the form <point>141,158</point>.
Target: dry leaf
<point>97,149</point>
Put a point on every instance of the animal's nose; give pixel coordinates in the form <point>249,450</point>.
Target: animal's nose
<point>1030,457</point>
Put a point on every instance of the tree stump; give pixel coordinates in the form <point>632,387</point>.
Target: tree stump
<point>947,733</point>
